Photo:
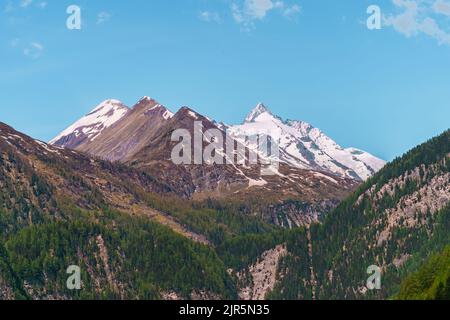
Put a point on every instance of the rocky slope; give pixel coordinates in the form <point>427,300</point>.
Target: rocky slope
<point>261,276</point>
<point>121,141</point>
<point>394,221</point>
<point>89,127</point>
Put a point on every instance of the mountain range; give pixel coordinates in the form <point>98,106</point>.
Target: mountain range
<point>115,132</point>
<point>105,196</point>
<point>315,173</point>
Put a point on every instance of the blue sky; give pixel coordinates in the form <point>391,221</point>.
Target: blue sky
<point>383,91</point>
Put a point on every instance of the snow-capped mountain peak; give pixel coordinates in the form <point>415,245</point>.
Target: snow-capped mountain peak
<point>92,124</point>
<point>108,104</point>
<point>146,98</point>
<point>306,147</point>
<point>259,110</point>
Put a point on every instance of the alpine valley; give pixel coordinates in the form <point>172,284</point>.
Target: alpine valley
<point>105,195</point>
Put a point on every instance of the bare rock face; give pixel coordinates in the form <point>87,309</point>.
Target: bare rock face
<point>171,296</point>
<point>291,214</point>
<point>411,210</point>
<point>203,295</point>
<point>6,292</point>
<point>263,274</point>
<point>196,295</point>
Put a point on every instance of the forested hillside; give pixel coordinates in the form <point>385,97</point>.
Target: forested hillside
<point>120,258</point>
<point>394,221</point>
<point>431,282</point>
<point>129,234</point>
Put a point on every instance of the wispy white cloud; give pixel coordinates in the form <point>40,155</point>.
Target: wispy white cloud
<point>258,9</point>
<point>25,3</point>
<point>419,17</point>
<point>210,16</point>
<point>247,12</point>
<point>42,4</point>
<point>34,50</point>
<point>292,10</point>
<point>103,17</point>
<point>442,7</point>
<point>11,6</point>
